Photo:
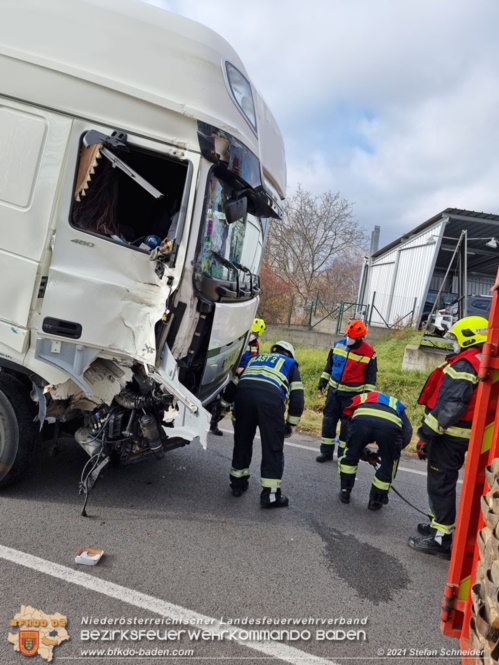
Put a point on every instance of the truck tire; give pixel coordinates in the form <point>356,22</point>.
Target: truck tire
<point>19,434</point>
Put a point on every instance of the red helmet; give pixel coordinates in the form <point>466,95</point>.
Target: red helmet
<point>356,329</point>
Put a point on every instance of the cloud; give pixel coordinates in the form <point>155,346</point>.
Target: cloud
<point>393,104</point>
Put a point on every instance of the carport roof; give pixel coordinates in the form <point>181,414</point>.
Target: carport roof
<point>481,259</point>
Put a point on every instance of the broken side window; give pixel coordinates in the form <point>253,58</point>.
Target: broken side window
<point>127,193</point>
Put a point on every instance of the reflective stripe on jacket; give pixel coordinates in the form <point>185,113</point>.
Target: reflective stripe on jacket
<point>379,405</point>
<point>372,398</point>
<point>270,368</point>
<point>352,368</point>
<point>279,372</point>
<point>431,388</point>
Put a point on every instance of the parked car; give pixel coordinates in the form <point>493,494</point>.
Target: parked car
<point>475,306</point>
<point>444,300</point>
<point>445,318</point>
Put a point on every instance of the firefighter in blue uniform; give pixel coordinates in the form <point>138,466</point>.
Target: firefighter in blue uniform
<point>449,396</point>
<point>350,369</point>
<point>252,349</point>
<point>266,384</point>
<point>375,418</point>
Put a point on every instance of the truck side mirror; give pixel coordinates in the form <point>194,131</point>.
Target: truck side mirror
<point>235,209</point>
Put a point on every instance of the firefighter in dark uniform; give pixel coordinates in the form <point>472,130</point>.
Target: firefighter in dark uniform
<point>350,370</point>
<point>375,418</point>
<point>449,396</point>
<point>252,349</point>
<point>268,381</point>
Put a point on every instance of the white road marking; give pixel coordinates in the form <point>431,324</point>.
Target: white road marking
<point>277,650</point>
<point>316,450</point>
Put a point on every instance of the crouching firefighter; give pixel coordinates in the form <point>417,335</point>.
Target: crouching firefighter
<point>350,370</point>
<point>267,382</point>
<point>376,418</point>
<point>449,396</point>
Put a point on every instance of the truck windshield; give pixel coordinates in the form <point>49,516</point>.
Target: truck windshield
<point>229,253</point>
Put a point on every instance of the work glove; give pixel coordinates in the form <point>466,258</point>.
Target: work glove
<point>370,456</point>
<point>422,450</point>
<point>288,431</point>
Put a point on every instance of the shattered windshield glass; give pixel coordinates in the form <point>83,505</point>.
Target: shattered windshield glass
<point>229,251</point>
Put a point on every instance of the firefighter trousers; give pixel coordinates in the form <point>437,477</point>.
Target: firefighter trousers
<point>332,414</point>
<point>262,407</point>
<point>445,457</point>
<point>363,431</point>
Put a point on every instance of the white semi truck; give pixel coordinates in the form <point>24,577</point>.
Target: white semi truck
<point>139,172</point>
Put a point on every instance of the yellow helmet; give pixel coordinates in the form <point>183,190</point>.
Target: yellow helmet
<point>258,327</point>
<point>469,331</point>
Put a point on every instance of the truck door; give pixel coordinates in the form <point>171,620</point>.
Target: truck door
<point>103,292</point>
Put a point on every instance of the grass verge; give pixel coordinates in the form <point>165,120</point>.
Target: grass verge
<point>404,385</point>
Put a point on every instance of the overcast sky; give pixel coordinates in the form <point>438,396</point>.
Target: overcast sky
<point>392,103</point>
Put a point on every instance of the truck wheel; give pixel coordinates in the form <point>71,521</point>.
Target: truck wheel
<point>19,434</point>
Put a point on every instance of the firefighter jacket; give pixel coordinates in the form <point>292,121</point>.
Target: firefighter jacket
<point>276,372</point>
<point>253,349</point>
<point>350,369</point>
<point>387,409</point>
<point>449,395</point>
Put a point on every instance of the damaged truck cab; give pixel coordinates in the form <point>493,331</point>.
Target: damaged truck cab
<point>139,172</point>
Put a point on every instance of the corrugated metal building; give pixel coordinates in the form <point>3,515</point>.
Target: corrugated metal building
<point>400,278</point>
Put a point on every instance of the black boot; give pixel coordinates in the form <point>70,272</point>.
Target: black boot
<point>347,481</point>
<point>327,452</point>
<point>377,503</point>
<point>377,500</point>
<point>426,529</point>
<point>215,430</point>
<point>239,485</point>
<point>273,500</point>
<point>429,545</point>
<point>344,496</point>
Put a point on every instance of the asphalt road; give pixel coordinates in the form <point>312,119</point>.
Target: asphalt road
<point>180,550</point>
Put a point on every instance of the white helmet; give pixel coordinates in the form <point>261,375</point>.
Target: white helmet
<point>285,346</point>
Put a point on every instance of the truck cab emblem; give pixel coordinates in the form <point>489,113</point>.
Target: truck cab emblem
<point>83,242</point>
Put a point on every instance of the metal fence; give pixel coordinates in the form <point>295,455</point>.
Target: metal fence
<point>314,313</point>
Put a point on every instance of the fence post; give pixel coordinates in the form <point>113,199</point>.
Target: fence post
<point>340,316</point>
<point>413,311</point>
<point>290,309</point>
<point>372,308</point>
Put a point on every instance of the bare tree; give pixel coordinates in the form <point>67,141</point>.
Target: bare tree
<point>314,234</point>
<point>341,280</point>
